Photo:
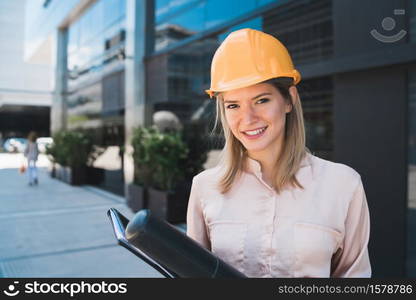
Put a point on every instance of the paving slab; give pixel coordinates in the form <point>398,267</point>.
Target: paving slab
<point>58,230</point>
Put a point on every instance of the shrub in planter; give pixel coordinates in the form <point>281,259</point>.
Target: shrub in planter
<point>71,151</point>
<point>137,197</point>
<point>159,158</point>
<point>164,154</point>
<point>172,204</point>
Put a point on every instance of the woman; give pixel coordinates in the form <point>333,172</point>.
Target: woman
<point>31,154</point>
<point>270,208</point>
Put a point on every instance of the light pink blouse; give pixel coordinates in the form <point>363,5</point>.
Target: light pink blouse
<point>319,231</point>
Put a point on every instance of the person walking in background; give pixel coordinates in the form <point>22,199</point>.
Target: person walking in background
<point>31,154</point>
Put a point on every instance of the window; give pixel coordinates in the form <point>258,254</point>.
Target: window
<point>412,21</point>
<point>317,98</point>
<point>305,29</point>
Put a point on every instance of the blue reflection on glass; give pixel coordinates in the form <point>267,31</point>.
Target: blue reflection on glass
<point>262,2</point>
<point>220,11</point>
<point>256,23</point>
<point>165,9</point>
<point>102,22</point>
<point>191,20</point>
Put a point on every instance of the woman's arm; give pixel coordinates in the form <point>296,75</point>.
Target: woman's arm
<point>352,259</point>
<point>195,222</point>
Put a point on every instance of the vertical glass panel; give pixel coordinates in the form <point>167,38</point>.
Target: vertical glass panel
<point>411,220</point>
<point>122,8</point>
<point>316,97</point>
<point>177,80</point>
<point>191,20</point>
<point>412,21</point>
<point>73,38</point>
<point>256,23</point>
<point>180,27</point>
<point>263,2</point>
<point>97,11</point>
<point>306,30</point>
<point>165,9</point>
<point>161,9</point>
<point>220,11</point>
<point>86,27</point>
<point>111,11</point>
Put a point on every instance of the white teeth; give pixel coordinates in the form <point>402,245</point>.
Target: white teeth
<point>254,132</point>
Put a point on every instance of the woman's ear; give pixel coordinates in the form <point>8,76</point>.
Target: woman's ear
<point>294,97</point>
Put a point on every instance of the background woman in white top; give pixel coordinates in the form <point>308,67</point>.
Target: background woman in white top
<point>31,154</point>
<point>270,208</point>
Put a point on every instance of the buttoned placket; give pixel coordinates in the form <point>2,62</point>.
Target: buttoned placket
<point>256,169</point>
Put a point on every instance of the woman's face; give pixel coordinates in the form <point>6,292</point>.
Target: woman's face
<point>256,116</point>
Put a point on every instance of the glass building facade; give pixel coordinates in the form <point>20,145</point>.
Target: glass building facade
<point>411,207</point>
<point>183,73</point>
<point>342,65</point>
<point>95,83</point>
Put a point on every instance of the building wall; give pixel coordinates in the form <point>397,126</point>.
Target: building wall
<point>370,104</point>
<point>354,92</point>
<point>16,74</point>
<point>354,88</point>
<point>25,88</point>
<point>370,136</point>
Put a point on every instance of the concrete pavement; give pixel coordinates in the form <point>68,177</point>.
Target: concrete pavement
<point>57,230</point>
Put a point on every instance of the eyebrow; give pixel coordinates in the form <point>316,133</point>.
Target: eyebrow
<point>260,95</point>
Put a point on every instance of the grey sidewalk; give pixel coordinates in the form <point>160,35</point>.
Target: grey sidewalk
<point>57,230</point>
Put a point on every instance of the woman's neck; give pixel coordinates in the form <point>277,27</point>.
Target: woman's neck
<point>267,160</point>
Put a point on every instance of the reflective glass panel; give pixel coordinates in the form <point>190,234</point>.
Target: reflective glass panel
<point>411,220</point>
<point>253,24</point>
<point>180,27</point>
<point>412,21</point>
<point>220,11</point>
<point>177,80</point>
<point>262,2</point>
<point>305,29</point>
<point>317,103</point>
<point>165,9</point>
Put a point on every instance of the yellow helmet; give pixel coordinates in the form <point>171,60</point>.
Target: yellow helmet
<point>247,57</point>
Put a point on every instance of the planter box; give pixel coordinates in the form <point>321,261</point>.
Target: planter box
<point>52,170</point>
<point>136,197</point>
<point>72,176</point>
<point>95,176</point>
<point>170,205</point>
<point>59,172</point>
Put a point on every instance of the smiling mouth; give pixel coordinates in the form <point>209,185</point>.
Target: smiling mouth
<point>255,133</point>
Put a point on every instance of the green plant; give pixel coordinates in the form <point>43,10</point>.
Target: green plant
<point>142,166</point>
<point>70,148</point>
<point>158,157</point>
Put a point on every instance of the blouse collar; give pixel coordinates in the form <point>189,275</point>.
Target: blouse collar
<point>254,166</point>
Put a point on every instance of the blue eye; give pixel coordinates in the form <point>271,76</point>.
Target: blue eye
<point>263,100</point>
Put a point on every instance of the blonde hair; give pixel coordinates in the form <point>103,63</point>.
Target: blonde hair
<point>234,154</point>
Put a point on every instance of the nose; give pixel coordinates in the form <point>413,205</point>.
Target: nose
<point>248,115</point>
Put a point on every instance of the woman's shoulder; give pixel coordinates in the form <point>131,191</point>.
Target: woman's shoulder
<point>330,169</point>
<point>208,175</point>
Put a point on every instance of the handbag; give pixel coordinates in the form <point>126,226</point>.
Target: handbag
<point>22,169</point>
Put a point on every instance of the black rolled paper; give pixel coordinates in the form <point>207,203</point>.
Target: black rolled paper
<point>174,250</point>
